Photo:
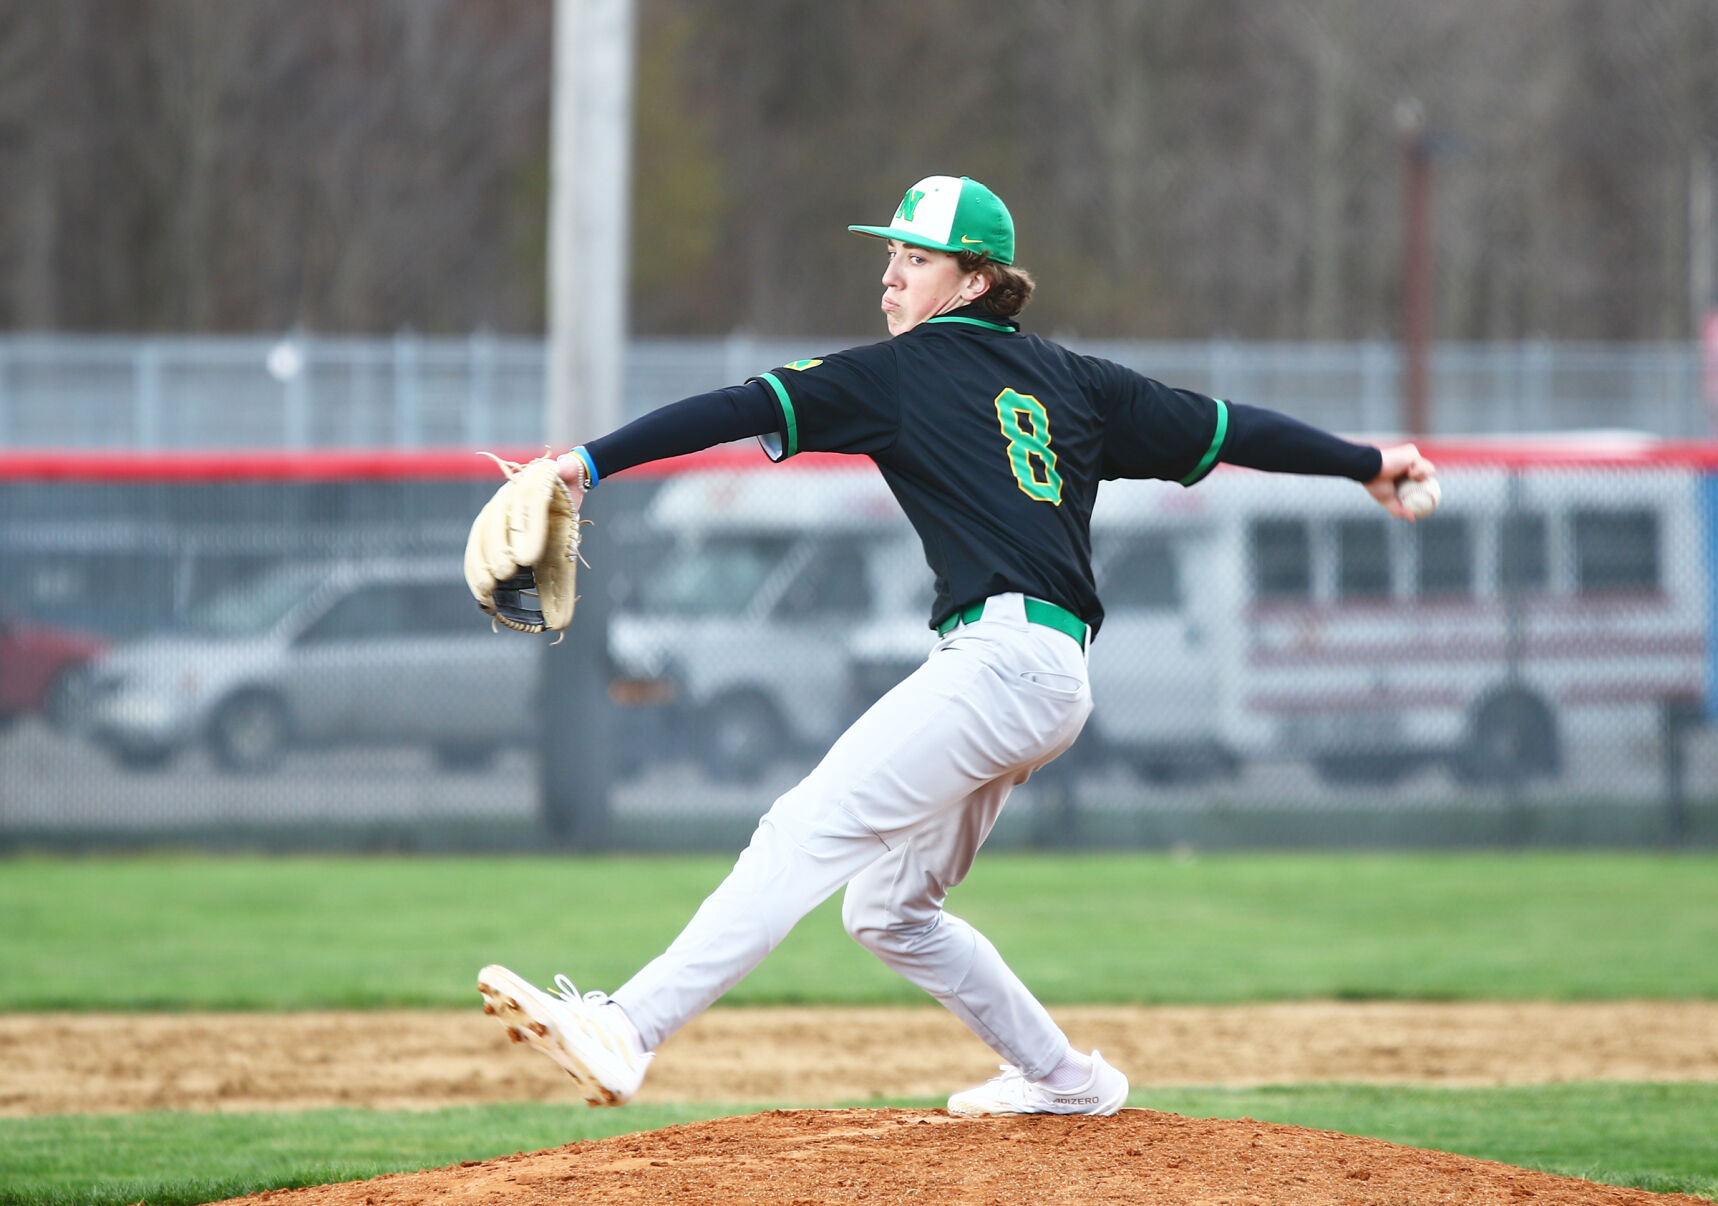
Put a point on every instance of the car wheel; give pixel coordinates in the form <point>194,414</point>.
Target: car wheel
<point>1512,737</point>
<point>249,732</point>
<point>739,736</point>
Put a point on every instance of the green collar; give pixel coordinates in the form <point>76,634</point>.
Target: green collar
<point>977,322</point>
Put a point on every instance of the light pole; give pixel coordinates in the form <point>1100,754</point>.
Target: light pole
<point>589,205</point>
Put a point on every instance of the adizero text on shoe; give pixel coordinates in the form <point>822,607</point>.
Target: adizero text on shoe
<point>569,1029</point>
<point>1012,1093</point>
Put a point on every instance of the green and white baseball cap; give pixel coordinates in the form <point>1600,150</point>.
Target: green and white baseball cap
<point>946,213</point>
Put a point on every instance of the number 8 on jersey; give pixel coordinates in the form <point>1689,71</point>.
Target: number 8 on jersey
<point>1027,429</point>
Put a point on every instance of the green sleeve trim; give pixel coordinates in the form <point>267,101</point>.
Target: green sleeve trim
<point>789,438</point>
<point>1210,457</point>
<point>976,322</point>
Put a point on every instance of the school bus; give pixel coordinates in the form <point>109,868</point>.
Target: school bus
<point>1560,594</point>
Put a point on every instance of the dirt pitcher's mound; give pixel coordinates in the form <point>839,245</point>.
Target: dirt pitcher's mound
<point>828,1156</point>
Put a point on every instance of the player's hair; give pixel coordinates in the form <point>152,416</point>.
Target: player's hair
<point>1010,287</point>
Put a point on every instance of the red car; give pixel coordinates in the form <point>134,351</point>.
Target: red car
<point>33,660</point>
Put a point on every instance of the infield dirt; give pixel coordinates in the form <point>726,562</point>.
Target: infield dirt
<point>117,1063</point>
<point>83,1063</point>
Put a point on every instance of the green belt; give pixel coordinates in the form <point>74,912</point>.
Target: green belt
<point>1037,612</point>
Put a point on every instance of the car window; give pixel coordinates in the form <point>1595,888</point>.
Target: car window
<point>718,577</point>
<point>832,582</point>
<point>364,614</point>
<point>442,609</point>
<point>253,608</point>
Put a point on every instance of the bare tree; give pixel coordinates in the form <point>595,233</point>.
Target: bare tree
<point>1178,169</point>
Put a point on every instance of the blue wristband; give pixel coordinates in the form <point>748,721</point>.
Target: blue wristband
<point>591,474</point>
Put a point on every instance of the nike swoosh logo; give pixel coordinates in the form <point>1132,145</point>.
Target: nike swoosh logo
<point>964,239</point>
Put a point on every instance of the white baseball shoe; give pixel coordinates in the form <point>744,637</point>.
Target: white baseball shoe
<point>578,1033</point>
<point>1012,1093</point>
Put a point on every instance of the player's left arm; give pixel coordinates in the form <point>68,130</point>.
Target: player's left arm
<point>689,425</point>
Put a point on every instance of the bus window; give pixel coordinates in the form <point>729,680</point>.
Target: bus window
<point>1446,557</point>
<point>1522,560</point>
<point>1282,559</point>
<point>1362,558</point>
<point>1140,572</point>
<point>1616,550</point>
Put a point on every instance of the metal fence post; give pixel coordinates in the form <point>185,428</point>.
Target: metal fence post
<point>1222,361</point>
<point>146,422</point>
<point>408,392</point>
<point>480,388</point>
<point>1519,816</point>
<point>292,369</point>
<point>1535,384</point>
<point>1676,718</point>
<point>576,747</point>
<point>739,356</point>
<point>1376,373</point>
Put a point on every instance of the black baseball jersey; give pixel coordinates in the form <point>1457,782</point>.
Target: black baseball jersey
<point>994,443</point>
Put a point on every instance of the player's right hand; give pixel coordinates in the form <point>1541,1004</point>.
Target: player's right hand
<point>1399,461</point>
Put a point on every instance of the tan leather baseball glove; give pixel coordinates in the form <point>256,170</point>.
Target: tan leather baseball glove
<point>522,556</point>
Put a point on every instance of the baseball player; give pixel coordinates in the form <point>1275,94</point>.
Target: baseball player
<point>994,442</point>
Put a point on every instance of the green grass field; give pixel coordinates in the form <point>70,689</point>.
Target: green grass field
<point>308,933</point>
<point>172,932</point>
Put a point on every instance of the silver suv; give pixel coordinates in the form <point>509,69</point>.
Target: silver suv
<point>378,653</point>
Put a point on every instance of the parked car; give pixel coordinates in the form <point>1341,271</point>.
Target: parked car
<point>379,653</point>
<point>38,666</point>
<point>732,643</point>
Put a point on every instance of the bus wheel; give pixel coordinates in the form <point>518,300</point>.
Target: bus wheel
<point>1511,738</point>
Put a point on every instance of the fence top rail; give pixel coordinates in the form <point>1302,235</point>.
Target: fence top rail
<point>1619,450</point>
<point>384,464</point>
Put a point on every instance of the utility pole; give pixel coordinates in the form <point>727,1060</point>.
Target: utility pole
<point>1416,332</point>
<point>590,132</point>
<point>1703,266</point>
<point>1702,233</point>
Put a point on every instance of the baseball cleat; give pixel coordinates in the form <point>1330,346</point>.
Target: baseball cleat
<point>1012,1093</point>
<point>576,1032</point>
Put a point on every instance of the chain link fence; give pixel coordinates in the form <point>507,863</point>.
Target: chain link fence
<point>296,662</point>
<point>408,391</point>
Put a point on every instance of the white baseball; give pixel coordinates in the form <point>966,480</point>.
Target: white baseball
<point>1420,497</point>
